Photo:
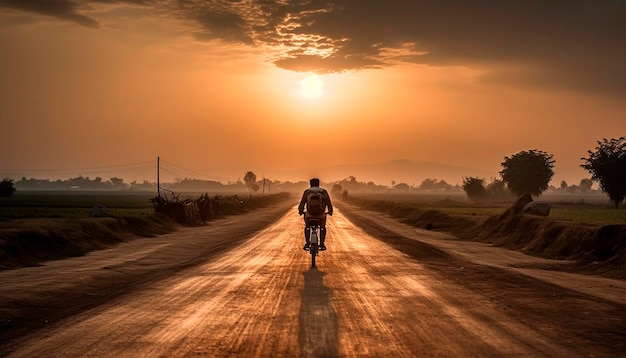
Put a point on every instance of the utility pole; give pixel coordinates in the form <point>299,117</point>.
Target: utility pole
<point>158,177</point>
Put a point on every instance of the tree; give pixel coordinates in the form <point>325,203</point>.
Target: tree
<point>117,183</point>
<point>336,189</point>
<point>496,189</point>
<point>249,179</point>
<point>402,187</point>
<point>6,188</point>
<point>434,185</point>
<point>607,165</point>
<point>528,172</point>
<point>474,188</point>
<point>585,185</point>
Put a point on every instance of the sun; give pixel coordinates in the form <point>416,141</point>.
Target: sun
<point>312,86</point>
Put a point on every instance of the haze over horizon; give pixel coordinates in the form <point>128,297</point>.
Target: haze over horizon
<point>218,88</point>
<point>387,173</point>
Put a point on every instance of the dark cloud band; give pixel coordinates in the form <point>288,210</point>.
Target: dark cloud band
<point>575,44</point>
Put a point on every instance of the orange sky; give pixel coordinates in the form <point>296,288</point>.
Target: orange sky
<point>214,86</point>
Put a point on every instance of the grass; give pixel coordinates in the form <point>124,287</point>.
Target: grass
<point>482,211</point>
<point>589,215</point>
<point>585,215</point>
<point>591,210</point>
<point>57,204</point>
<point>51,204</point>
<point>40,226</point>
<point>592,236</point>
<point>63,212</point>
<point>28,242</point>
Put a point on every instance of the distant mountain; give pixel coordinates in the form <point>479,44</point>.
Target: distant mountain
<point>403,171</point>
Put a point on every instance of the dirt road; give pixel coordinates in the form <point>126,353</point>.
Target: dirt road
<point>382,289</point>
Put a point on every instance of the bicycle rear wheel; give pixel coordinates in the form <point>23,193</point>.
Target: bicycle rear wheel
<point>313,254</point>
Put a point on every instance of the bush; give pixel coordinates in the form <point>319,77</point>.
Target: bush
<point>474,188</point>
<point>6,188</point>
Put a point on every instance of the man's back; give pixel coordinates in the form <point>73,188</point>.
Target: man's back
<point>323,204</point>
<point>315,193</point>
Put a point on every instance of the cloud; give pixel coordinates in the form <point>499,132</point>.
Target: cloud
<point>67,10</point>
<point>568,44</point>
<point>61,9</point>
<point>224,26</point>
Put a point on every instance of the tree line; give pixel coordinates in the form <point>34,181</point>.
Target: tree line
<point>531,171</point>
<point>80,183</point>
<point>525,172</point>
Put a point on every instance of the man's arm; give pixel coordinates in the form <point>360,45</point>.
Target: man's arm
<point>302,202</point>
<point>329,203</point>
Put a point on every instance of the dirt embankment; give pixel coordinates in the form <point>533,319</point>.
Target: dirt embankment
<point>29,242</point>
<point>594,249</point>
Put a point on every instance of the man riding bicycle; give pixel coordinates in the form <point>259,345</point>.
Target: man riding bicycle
<point>316,200</point>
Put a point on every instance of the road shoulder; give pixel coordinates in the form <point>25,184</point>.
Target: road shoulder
<point>485,254</point>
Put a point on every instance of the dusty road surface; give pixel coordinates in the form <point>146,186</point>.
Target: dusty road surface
<point>382,289</point>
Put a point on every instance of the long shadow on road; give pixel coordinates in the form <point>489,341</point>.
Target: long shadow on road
<point>318,324</point>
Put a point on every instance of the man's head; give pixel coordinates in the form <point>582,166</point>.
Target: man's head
<point>314,182</point>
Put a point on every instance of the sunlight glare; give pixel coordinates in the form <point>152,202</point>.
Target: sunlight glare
<point>312,86</point>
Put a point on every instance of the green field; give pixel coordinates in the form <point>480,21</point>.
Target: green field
<point>73,205</point>
<point>583,214</point>
<point>63,204</point>
<point>591,210</point>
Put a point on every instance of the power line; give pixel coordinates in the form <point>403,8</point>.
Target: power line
<point>103,168</point>
<point>169,167</point>
<point>171,172</point>
<point>118,170</point>
<point>204,176</point>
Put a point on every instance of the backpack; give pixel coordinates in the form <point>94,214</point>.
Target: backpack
<point>315,203</point>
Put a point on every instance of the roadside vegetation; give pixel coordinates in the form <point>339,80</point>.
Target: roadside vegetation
<point>41,226</point>
<point>592,235</point>
<point>582,228</point>
<point>607,165</point>
<point>57,204</point>
<point>589,209</point>
<point>7,188</point>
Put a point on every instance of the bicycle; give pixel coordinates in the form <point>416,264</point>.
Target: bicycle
<point>314,239</point>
